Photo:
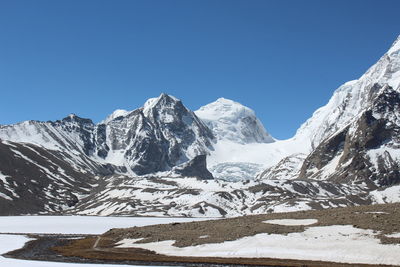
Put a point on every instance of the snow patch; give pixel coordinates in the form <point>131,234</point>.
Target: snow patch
<point>290,222</point>
<point>117,113</point>
<point>337,243</point>
<point>395,235</point>
<point>388,195</point>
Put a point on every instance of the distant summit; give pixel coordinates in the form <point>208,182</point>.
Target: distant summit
<point>232,121</point>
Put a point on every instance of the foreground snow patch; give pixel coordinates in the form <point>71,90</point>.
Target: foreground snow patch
<point>337,243</point>
<point>291,222</point>
<point>395,235</point>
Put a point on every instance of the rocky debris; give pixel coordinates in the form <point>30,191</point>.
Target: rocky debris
<point>197,167</point>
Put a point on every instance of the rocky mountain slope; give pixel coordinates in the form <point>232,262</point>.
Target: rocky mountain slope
<point>355,137</point>
<point>34,179</point>
<point>190,197</point>
<point>156,137</point>
<point>141,161</point>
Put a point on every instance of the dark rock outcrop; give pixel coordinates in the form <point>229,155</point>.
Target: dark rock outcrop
<point>196,167</point>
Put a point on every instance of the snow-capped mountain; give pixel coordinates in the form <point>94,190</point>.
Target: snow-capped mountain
<point>152,160</point>
<point>354,138</point>
<point>350,99</point>
<point>232,121</point>
<point>156,137</point>
<point>242,145</point>
<point>117,113</point>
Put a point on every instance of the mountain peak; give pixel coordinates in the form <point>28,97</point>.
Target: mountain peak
<point>223,100</point>
<point>232,121</point>
<point>117,113</point>
<point>350,99</point>
<point>395,46</point>
<point>74,118</point>
<point>163,100</point>
<point>224,108</point>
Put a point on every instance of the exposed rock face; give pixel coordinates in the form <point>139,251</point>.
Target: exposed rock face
<point>157,137</point>
<point>366,150</point>
<point>352,98</point>
<point>34,180</point>
<point>287,168</point>
<point>51,165</point>
<point>174,196</point>
<point>355,137</point>
<point>197,168</point>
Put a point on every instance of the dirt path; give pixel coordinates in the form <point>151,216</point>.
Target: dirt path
<point>96,243</point>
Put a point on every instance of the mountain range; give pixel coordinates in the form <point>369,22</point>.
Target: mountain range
<point>164,159</point>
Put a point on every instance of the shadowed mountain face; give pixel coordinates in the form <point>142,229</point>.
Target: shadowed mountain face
<point>34,179</point>
<point>157,137</point>
<point>152,160</point>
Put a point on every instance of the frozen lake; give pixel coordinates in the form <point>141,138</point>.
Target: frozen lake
<point>65,225</point>
<point>78,224</point>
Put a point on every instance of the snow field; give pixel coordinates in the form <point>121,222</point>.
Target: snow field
<point>77,224</point>
<point>337,243</point>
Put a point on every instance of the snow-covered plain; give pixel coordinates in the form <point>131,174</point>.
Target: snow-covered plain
<point>78,224</point>
<point>64,225</point>
<point>336,243</point>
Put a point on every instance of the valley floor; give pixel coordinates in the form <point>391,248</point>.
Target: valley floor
<point>355,236</point>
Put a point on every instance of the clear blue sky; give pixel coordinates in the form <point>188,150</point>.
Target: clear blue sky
<point>282,58</point>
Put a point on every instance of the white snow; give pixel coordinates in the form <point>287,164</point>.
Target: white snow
<point>117,113</point>
<point>395,235</point>
<point>292,221</point>
<point>387,195</point>
<point>262,154</point>
<point>383,152</point>
<point>350,99</point>
<point>337,243</point>
<point>152,102</point>
<point>77,224</point>
<point>235,171</point>
<point>232,121</point>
